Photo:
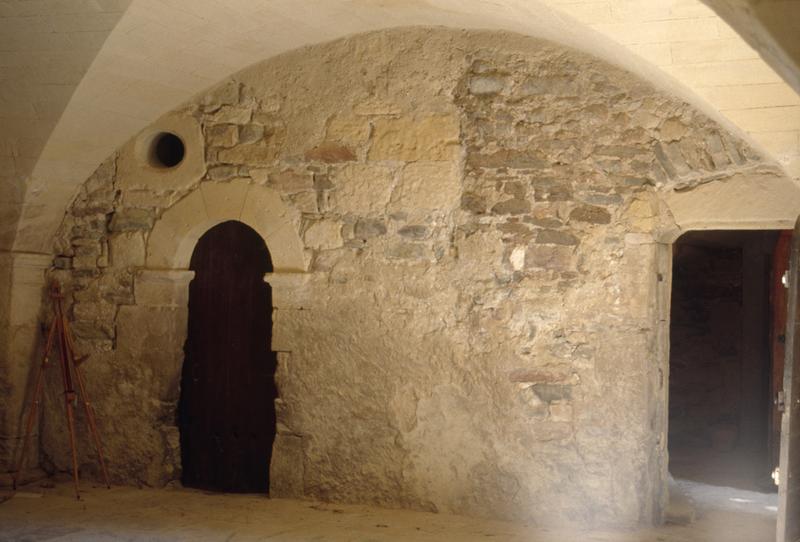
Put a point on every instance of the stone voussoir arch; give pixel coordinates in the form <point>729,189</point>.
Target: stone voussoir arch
<point>176,232</point>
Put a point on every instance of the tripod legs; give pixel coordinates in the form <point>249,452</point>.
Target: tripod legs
<point>69,368</point>
<point>69,398</point>
<point>69,393</point>
<point>92,425</point>
<point>87,405</point>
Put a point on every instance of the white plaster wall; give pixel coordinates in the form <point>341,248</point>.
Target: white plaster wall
<point>46,47</point>
<point>771,28</point>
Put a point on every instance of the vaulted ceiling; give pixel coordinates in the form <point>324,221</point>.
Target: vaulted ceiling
<point>80,77</point>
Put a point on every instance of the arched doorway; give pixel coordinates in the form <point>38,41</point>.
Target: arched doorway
<point>226,412</point>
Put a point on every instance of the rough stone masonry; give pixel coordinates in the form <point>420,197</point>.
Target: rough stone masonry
<point>475,330</point>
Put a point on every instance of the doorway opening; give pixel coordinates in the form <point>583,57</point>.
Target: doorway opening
<point>726,320</point>
<point>226,411</point>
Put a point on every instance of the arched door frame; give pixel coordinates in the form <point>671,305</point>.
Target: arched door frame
<point>164,281</point>
<point>175,234</point>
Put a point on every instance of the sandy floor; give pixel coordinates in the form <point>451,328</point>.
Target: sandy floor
<point>737,468</point>
<point>37,513</point>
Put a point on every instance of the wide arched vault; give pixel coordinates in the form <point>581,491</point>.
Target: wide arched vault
<point>468,230</point>
<point>143,67</point>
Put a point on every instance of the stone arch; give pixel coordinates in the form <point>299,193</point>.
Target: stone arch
<point>175,234</point>
<point>161,287</point>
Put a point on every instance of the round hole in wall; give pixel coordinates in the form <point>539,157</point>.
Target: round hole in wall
<point>167,150</point>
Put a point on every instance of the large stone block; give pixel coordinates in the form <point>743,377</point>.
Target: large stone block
<point>368,228</point>
<point>427,186</point>
<point>407,251</point>
<point>286,470</point>
<point>638,279</point>
<point>556,237</point>
<point>362,189</point>
<point>506,158</point>
<point>324,234</point>
<point>222,135</point>
<point>232,114</point>
<point>289,327</point>
<point>222,173</point>
<point>292,181</point>
<point>330,152</point>
<point>151,339</point>
<point>351,131</point>
<point>590,214</point>
<point>435,138</point>
<point>640,216</point>
<point>297,290</point>
<point>513,206</point>
<point>481,254</point>
<point>162,288</point>
<point>556,258</point>
<point>131,219</point>
<point>486,85</point>
<point>249,154</point>
<point>127,250</point>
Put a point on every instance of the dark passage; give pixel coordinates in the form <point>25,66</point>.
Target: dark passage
<point>226,411</point>
<point>723,321</point>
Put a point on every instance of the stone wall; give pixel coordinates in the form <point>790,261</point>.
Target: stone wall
<point>473,324</point>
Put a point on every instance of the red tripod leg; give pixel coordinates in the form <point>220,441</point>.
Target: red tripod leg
<point>86,404</point>
<point>69,396</point>
<point>92,424</point>
<point>69,393</point>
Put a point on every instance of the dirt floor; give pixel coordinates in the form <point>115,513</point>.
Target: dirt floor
<point>123,513</point>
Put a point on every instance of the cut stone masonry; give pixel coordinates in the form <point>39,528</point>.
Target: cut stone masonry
<point>467,320</point>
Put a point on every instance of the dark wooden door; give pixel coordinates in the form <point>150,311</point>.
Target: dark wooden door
<point>226,411</point>
<point>789,488</point>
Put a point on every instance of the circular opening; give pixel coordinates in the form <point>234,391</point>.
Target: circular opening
<point>167,150</point>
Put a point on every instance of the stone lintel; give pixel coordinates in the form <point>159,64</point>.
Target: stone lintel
<point>754,201</point>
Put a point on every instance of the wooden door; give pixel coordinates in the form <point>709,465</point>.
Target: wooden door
<point>778,303</point>
<point>789,488</point>
<point>226,412</point>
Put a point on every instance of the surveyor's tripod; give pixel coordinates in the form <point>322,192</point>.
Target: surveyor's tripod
<point>59,331</point>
